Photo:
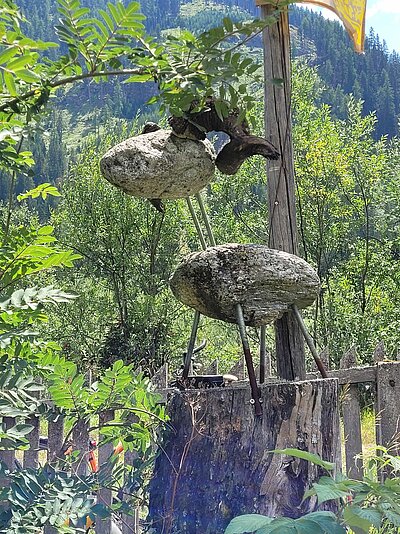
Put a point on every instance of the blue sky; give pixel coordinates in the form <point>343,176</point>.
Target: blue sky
<point>384,17</point>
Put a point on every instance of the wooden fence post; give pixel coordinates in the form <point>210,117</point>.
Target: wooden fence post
<point>216,465</point>
<point>130,523</point>
<point>239,369</point>
<point>387,403</point>
<point>351,419</point>
<point>55,443</point>
<point>81,443</point>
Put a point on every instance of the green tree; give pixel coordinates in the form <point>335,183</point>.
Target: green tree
<point>128,253</point>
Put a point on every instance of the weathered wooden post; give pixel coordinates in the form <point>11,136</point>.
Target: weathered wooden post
<point>215,465</point>
<point>289,348</point>
<point>289,344</point>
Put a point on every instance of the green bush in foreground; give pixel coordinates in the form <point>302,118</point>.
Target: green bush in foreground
<point>366,506</point>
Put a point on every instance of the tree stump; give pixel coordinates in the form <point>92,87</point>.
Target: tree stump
<point>215,465</point>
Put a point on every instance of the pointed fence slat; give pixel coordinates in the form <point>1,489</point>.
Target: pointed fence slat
<point>104,495</point>
<point>81,443</point>
<point>55,443</point>
<point>238,369</point>
<point>7,457</point>
<point>379,352</point>
<point>352,420</point>
<point>387,406</point>
<point>55,439</point>
<point>212,369</point>
<point>130,523</point>
<point>160,378</point>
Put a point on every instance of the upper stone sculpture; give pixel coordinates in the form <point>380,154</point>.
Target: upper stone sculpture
<point>159,165</point>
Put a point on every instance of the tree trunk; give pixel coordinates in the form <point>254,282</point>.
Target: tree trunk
<point>281,185</point>
<point>215,464</point>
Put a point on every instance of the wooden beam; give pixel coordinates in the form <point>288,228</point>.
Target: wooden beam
<point>290,356</point>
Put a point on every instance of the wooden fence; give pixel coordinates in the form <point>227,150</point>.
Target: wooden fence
<point>383,378</point>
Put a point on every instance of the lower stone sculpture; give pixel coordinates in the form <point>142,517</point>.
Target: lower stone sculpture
<point>264,281</point>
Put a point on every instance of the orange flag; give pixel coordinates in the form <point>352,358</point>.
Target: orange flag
<point>350,12</point>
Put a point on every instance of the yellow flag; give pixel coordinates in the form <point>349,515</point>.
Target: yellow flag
<point>350,12</point>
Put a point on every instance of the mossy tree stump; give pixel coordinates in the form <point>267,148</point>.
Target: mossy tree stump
<point>215,465</point>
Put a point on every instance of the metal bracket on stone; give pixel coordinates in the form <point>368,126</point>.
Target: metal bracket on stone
<point>241,145</point>
<point>255,392</point>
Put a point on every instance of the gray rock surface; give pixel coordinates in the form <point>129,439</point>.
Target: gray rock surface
<point>159,165</point>
<point>264,281</point>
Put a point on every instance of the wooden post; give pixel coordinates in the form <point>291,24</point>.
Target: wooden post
<point>215,465</point>
<point>80,438</point>
<point>290,356</point>
<point>130,523</point>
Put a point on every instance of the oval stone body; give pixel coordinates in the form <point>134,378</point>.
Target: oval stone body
<point>264,281</point>
<point>159,165</point>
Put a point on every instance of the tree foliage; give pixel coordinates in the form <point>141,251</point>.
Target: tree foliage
<point>362,505</point>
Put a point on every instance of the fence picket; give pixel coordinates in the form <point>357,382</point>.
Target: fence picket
<point>31,456</point>
<point>130,523</point>
<point>352,420</point>
<point>55,438</point>
<point>387,399</point>
<point>212,369</point>
<point>160,378</point>
<point>104,495</point>
<point>7,457</point>
<point>238,369</point>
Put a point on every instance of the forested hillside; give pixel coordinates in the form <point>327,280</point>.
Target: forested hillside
<point>373,77</point>
<point>85,108</point>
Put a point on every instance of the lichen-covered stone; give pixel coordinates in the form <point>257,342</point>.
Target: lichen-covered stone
<point>159,165</point>
<point>264,281</point>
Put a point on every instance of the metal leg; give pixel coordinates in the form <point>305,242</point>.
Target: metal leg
<point>196,223</point>
<point>263,353</point>
<point>206,220</point>
<point>309,341</point>
<point>192,341</point>
<point>249,360</point>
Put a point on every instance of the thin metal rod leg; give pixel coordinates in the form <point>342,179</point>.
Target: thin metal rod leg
<point>192,341</point>
<point>263,353</point>
<point>196,223</point>
<point>206,220</point>
<point>249,360</point>
<point>309,341</point>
